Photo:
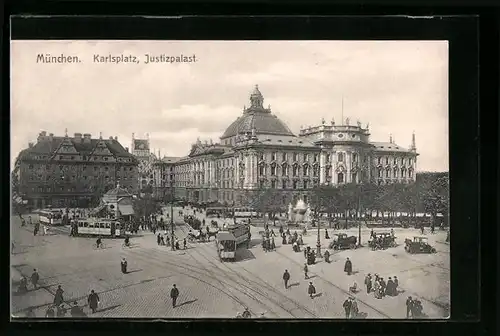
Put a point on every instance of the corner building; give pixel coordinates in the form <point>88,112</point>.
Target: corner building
<point>65,171</point>
<point>258,152</point>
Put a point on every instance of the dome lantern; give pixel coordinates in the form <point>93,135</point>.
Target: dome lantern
<point>256,98</point>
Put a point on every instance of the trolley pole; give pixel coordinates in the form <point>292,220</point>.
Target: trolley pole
<point>172,214</point>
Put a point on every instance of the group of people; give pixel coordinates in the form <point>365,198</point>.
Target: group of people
<point>414,308</point>
<point>23,282</point>
<point>380,287</point>
<point>160,240</point>
<point>311,290</point>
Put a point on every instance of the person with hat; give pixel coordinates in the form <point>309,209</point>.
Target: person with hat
<point>174,294</point>
<point>347,307</point>
<point>93,301</point>
<point>286,278</point>
<point>409,307</point>
<point>311,290</point>
<point>368,283</point>
<point>354,308</point>
<point>306,269</point>
<point>124,266</point>
<point>348,266</point>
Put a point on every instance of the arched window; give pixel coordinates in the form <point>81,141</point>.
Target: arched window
<point>379,172</point>
<point>403,172</point>
<point>340,178</point>
<point>395,172</point>
<point>295,170</point>
<point>306,170</point>
<point>273,170</point>
<point>387,173</point>
<point>262,170</point>
<point>327,172</point>
<point>410,173</point>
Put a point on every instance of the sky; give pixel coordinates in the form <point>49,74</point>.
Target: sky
<point>396,86</point>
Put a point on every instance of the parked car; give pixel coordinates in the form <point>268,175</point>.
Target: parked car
<point>418,245</point>
<point>341,241</point>
<point>382,240</point>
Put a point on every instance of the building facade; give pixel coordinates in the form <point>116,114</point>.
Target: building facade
<point>258,152</point>
<point>64,171</point>
<point>146,177</point>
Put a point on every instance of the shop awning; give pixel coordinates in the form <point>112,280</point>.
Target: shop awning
<point>126,209</point>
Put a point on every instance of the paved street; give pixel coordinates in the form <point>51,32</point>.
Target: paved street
<point>209,288</point>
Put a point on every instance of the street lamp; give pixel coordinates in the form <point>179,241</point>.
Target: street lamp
<point>359,212</point>
<point>316,216</point>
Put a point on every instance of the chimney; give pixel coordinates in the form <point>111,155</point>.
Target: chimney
<point>43,133</point>
<point>110,138</point>
<point>87,137</point>
<point>30,144</point>
<point>78,137</point>
<point>126,148</point>
<point>51,136</point>
<point>116,138</point>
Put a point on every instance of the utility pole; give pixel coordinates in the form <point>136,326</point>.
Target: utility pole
<point>316,215</point>
<point>172,214</point>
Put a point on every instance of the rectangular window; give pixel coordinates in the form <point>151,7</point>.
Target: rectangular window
<point>340,157</point>
<point>273,156</point>
<point>315,158</point>
<point>306,157</point>
<point>387,174</point>
<point>379,160</point>
<point>386,160</point>
<point>273,184</point>
<point>295,157</point>
<point>294,184</point>
<point>283,184</point>
<point>354,177</point>
<point>354,157</point>
<point>306,185</point>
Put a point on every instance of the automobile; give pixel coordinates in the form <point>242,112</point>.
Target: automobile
<point>382,240</point>
<point>341,242</point>
<point>418,245</point>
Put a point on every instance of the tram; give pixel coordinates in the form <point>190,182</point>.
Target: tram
<point>244,212</point>
<point>98,227</point>
<point>50,217</point>
<point>226,246</point>
<point>240,231</point>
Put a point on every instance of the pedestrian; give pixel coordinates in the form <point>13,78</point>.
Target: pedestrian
<point>184,242</point>
<point>327,256</point>
<point>396,284</point>
<point>376,289</point>
<point>177,246</point>
<point>44,230</point>
<point>50,312</point>
<point>409,307</point>
<point>61,311</point>
<point>34,279</point>
<point>305,252</point>
<point>273,244</point>
<point>368,283</point>
<point>348,267</point>
<point>422,228</point>
<point>326,234</point>
<point>347,308</point>
<point>281,230</point>
<point>174,294</point>
<point>158,239</point>
<point>383,286</point>
<point>284,239</point>
<point>58,297</point>
<point>306,276</point>
<point>389,290</point>
<point>286,278</point>
<point>354,308</point>
<point>311,290</point>
<point>124,265</point>
<point>93,301</point>
<point>29,220</point>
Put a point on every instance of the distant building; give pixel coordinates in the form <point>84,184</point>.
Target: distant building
<point>69,171</point>
<point>258,152</point>
<point>146,174</point>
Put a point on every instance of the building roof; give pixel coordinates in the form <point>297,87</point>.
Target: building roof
<point>118,192</point>
<point>257,118</point>
<point>224,235</point>
<point>286,141</point>
<point>49,147</point>
<point>170,159</point>
<point>388,147</point>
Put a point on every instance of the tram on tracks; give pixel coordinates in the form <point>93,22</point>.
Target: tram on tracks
<point>226,246</point>
<point>230,238</point>
<point>102,227</point>
<point>50,217</point>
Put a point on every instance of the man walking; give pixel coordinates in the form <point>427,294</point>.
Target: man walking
<point>311,290</point>
<point>368,283</point>
<point>347,308</point>
<point>34,279</point>
<point>306,276</point>
<point>348,267</point>
<point>286,278</point>
<point>174,294</point>
<point>409,306</point>
<point>93,301</point>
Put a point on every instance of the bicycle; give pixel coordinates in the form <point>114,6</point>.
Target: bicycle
<point>101,246</point>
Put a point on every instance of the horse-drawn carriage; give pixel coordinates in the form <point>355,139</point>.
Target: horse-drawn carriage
<point>201,236</point>
<point>341,242</point>
<point>418,245</point>
<point>382,240</point>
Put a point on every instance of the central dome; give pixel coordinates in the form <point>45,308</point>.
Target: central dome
<point>257,117</point>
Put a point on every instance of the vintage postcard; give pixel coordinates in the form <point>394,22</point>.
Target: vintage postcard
<point>230,179</point>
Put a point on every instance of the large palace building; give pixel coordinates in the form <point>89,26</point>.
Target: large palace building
<point>69,171</point>
<point>258,152</point>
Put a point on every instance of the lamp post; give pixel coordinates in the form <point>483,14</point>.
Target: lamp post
<point>316,217</point>
<point>172,213</point>
<point>359,212</point>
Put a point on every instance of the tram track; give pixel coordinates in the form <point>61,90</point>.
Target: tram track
<point>198,274</point>
<point>271,289</point>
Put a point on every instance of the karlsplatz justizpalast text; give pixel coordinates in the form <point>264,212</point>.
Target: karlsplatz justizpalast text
<point>49,58</point>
